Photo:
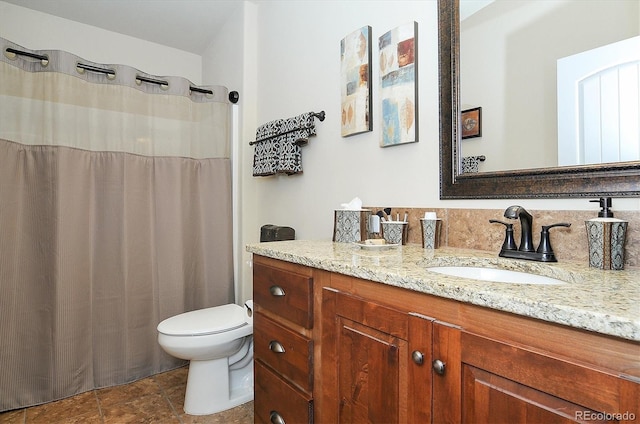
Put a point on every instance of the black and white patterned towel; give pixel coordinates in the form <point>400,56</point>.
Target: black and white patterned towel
<point>471,164</point>
<point>279,151</point>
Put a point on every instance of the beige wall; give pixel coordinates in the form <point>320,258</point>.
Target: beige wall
<point>470,229</point>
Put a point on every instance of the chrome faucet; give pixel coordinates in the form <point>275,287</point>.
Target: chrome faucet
<point>544,253</point>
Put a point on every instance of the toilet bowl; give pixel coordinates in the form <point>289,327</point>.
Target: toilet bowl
<point>218,343</point>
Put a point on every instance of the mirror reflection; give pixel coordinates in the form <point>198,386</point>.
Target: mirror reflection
<point>524,64</point>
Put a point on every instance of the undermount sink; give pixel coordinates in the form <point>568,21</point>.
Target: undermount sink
<point>494,275</point>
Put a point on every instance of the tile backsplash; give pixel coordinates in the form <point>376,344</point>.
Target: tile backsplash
<point>470,229</point>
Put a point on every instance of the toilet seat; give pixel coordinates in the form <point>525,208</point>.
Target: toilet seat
<point>202,322</point>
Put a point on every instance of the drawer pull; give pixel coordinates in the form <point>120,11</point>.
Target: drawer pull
<point>277,291</point>
<point>276,346</point>
<point>276,418</point>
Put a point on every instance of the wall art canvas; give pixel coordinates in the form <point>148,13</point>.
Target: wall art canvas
<point>355,58</point>
<point>399,85</point>
<point>472,123</point>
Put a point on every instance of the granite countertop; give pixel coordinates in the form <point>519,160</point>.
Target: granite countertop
<point>606,302</point>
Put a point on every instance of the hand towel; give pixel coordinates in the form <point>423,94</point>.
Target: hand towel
<point>471,164</point>
<point>280,151</point>
<point>265,155</point>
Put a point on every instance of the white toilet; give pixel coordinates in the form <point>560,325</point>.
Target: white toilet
<point>218,342</point>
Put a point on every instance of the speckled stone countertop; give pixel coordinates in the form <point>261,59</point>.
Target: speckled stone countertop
<point>606,302</point>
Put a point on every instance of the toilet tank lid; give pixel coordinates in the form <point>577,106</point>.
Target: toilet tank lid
<point>205,321</point>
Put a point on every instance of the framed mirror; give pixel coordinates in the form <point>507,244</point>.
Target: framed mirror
<point>609,179</point>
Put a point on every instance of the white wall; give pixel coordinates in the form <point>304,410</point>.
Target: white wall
<point>284,58</point>
<point>230,60</point>
<point>298,71</point>
<point>40,31</point>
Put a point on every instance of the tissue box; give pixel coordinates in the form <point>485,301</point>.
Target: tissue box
<point>351,226</point>
<point>606,238</point>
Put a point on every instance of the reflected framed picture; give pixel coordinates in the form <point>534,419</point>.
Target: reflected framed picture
<point>471,123</point>
<point>399,85</point>
<point>356,98</point>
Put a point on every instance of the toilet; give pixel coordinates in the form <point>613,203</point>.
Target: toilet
<point>218,342</point>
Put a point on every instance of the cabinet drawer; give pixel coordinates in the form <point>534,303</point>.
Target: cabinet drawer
<point>287,294</point>
<point>288,353</point>
<point>274,396</point>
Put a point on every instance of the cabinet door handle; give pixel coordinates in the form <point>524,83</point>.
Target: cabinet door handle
<point>438,366</point>
<point>276,418</point>
<point>276,346</point>
<point>277,291</point>
<point>418,357</point>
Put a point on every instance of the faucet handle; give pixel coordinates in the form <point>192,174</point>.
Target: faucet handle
<point>545,242</point>
<point>509,242</point>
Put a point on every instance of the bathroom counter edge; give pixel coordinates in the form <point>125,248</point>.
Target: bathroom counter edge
<point>606,302</point>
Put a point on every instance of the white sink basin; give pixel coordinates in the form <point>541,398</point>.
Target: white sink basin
<point>494,275</point>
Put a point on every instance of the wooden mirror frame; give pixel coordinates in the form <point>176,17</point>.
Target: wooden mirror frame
<point>612,179</point>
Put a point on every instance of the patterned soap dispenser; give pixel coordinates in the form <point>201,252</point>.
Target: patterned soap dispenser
<point>606,236</point>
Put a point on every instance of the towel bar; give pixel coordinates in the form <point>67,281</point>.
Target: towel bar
<point>320,115</point>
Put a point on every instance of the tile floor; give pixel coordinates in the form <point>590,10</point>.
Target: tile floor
<point>156,399</point>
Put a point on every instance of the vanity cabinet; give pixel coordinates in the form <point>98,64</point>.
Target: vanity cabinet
<point>478,365</point>
<point>372,352</point>
<point>283,342</point>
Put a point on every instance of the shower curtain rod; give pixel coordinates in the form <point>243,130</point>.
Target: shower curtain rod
<point>96,69</point>
<point>106,70</point>
<point>319,115</point>
<point>31,55</point>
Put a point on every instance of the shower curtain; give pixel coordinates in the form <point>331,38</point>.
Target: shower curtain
<point>115,213</point>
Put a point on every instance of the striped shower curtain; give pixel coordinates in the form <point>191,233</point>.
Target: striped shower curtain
<point>115,213</point>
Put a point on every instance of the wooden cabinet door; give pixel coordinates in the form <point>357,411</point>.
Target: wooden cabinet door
<point>368,364</point>
<point>369,373</point>
<point>447,371</point>
<point>503,383</point>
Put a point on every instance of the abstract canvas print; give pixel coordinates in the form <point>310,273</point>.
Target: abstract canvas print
<point>399,85</point>
<point>355,57</point>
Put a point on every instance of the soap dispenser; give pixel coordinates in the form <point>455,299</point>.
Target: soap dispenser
<point>606,236</point>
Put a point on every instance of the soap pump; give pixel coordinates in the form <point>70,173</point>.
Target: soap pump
<point>606,237</point>
<point>605,204</point>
